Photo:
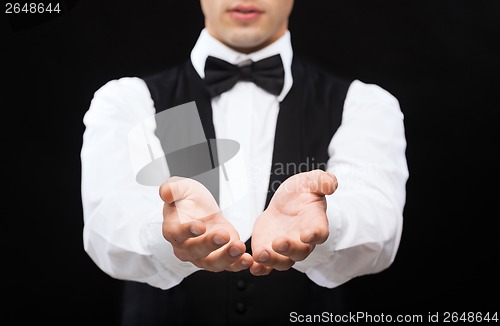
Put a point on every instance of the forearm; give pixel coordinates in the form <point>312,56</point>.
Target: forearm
<point>367,155</point>
<point>127,243</point>
<point>122,218</point>
<point>364,238</point>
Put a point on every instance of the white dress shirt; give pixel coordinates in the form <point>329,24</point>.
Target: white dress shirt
<point>122,218</point>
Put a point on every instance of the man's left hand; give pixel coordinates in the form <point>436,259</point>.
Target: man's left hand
<point>294,222</point>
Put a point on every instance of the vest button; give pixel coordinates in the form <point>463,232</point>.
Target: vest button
<point>241,285</point>
<point>240,307</point>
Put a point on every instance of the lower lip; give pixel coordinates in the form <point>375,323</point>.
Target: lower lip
<point>245,16</point>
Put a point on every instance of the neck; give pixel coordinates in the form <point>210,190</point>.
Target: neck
<point>246,49</point>
<point>250,49</point>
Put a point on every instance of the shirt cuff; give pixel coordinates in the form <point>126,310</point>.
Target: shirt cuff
<point>171,270</point>
<point>323,253</point>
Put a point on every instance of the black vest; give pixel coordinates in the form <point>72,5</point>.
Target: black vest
<point>309,116</point>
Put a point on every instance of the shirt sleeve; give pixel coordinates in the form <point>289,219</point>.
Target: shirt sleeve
<point>122,218</point>
<point>367,155</point>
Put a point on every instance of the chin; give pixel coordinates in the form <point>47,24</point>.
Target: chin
<point>247,40</point>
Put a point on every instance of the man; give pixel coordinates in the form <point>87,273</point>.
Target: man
<point>323,161</point>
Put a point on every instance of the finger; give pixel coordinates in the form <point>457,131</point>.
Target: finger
<point>294,250</point>
<point>201,247</point>
<point>244,262</point>
<point>173,189</point>
<point>196,249</point>
<point>259,270</point>
<point>177,233</point>
<point>316,235</point>
<point>220,260</point>
<point>329,186</point>
<point>270,258</point>
<point>321,183</point>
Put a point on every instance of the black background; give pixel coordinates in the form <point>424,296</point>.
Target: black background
<point>439,58</point>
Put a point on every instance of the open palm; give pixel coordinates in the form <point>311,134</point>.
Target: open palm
<point>194,225</point>
<point>293,223</point>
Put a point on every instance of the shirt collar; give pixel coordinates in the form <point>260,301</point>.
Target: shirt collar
<point>208,45</point>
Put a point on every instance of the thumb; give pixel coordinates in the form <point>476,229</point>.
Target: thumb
<point>175,188</point>
<point>321,183</point>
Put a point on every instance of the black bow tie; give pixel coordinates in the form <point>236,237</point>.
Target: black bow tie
<point>221,76</point>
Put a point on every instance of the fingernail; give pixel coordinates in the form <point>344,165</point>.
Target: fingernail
<point>264,256</point>
<point>234,252</point>
<point>283,247</point>
<point>194,231</point>
<point>244,263</point>
<point>258,270</point>
<point>309,238</point>
<point>218,240</point>
<point>335,181</point>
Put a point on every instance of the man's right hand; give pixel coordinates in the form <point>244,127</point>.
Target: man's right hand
<point>194,225</point>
